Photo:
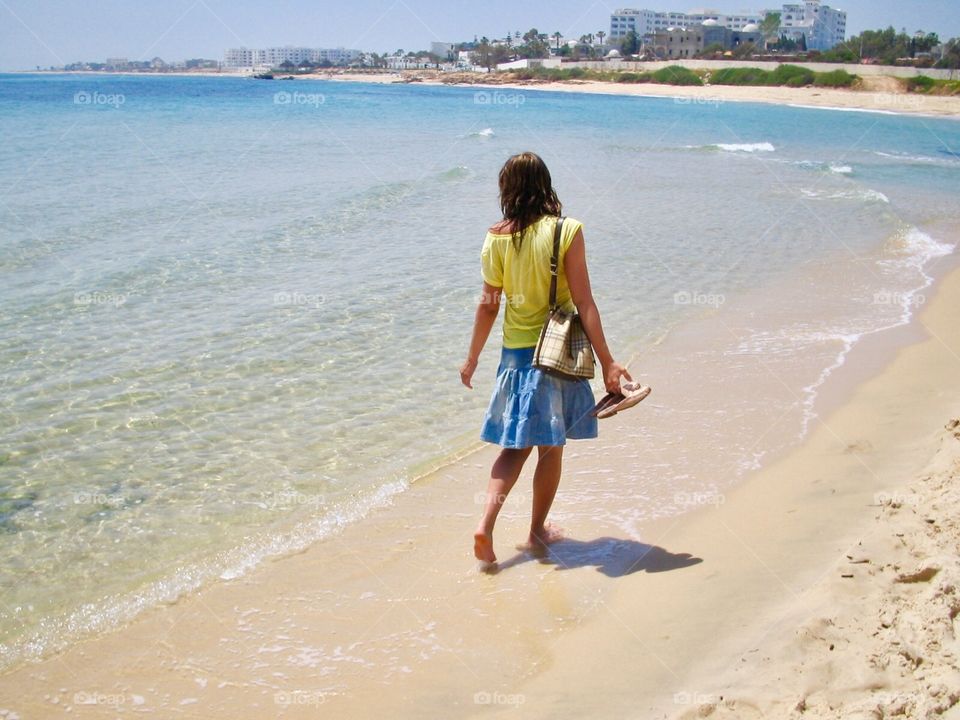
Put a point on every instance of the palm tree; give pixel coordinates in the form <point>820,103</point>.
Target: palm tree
<point>556,37</point>
<point>600,34</point>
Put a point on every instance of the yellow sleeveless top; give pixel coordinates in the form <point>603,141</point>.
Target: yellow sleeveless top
<point>524,276</point>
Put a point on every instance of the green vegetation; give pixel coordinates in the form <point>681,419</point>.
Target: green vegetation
<point>676,75</point>
<point>788,75</point>
<point>770,25</point>
<point>884,46</point>
<point>535,45</point>
<point>792,76</point>
<point>931,86</point>
<point>951,55</point>
<point>783,75</point>
<point>633,77</point>
<point>835,79</point>
<point>630,45</point>
<point>739,76</point>
<point>921,83</point>
<point>672,75</point>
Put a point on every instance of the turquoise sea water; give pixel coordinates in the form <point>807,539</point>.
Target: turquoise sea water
<point>232,311</point>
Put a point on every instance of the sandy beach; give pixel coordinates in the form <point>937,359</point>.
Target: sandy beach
<point>822,586</point>
<point>878,94</point>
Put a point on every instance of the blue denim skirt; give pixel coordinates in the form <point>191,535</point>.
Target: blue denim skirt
<point>531,407</point>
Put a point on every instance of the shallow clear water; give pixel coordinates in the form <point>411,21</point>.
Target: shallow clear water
<point>232,312</point>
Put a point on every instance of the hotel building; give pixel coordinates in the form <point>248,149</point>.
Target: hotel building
<point>276,56</point>
<point>821,25</point>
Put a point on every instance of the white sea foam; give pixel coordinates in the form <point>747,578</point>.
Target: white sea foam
<point>910,251</point>
<point>836,108</point>
<point>917,249</point>
<point>860,195</point>
<point>918,159</point>
<point>817,165</point>
<point>746,147</point>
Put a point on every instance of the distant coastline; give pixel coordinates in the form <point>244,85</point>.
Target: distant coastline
<point>882,94</point>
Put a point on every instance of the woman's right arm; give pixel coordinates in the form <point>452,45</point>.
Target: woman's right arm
<point>575,266</point>
<point>487,310</point>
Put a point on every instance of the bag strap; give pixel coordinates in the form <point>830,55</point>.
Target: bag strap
<point>555,264</point>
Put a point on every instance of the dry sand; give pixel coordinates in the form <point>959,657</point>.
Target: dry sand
<point>878,94</point>
<point>876,637</point>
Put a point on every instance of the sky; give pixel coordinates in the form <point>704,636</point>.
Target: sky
<point>58,32</point>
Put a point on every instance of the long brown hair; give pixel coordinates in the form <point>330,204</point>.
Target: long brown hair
<point>526,193</point>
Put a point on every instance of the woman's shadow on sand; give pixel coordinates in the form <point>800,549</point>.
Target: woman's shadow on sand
<point>614,557</point>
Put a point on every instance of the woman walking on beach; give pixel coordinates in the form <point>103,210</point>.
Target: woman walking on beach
<point>531,408</point>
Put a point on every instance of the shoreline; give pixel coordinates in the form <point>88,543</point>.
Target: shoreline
<point>279,542</point>
<point>401,584</point>
<point>806,97</point>
<point>880,97</point>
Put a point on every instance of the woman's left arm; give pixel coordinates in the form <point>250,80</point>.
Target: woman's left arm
<point>487,310</point>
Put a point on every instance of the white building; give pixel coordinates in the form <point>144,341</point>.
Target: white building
<point>526,63</point>
<point>823,26</point>
<point>240,58</point>
<point>402,62</point>
<point>335,55</point>
<point>442,50</point>
<point>647,22</point>
<point>276,56</point>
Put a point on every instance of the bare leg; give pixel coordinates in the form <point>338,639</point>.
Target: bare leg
<point>506,470</point>
<point>546,480</point>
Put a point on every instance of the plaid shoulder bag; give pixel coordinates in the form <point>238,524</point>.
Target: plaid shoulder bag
<point>563,348</point>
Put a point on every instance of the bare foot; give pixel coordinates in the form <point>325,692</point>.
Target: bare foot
<point>537,542</point>
<point>483,547</point>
